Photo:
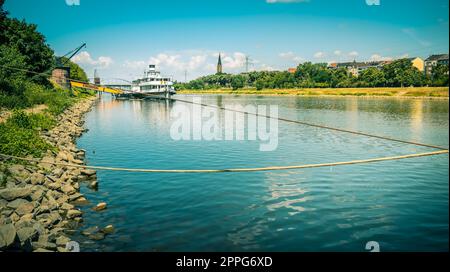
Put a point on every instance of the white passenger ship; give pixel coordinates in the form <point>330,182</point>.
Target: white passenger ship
<point>152,84</point>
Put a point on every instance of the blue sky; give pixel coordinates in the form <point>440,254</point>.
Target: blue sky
<point>186,35</point>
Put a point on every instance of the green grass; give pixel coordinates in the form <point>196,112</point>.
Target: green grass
<point>19,141</point>
<point>19,134</point>
<point>32,94</point>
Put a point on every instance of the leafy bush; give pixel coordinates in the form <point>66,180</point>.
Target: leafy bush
<point>42,121</point>
<point>20,119</point>
<point>19,141</point>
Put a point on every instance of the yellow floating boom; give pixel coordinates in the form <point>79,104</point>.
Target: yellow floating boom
<point>95,87</point>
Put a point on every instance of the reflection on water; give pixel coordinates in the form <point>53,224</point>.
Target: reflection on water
<point>416,117</point>
<point>403,204</point>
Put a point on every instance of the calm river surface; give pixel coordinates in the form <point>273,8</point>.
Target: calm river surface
<point>403,204</point>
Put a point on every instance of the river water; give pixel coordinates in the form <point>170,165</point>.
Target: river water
<point>403,205</point>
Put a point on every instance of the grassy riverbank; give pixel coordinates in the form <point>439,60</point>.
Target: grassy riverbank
<point>20,127</point>
<point>39,199</point>
<point>429,92</point>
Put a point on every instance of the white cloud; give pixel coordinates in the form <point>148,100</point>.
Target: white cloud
<point>84,58</point>
<point>265,67</point>
<point>236,60</point>
<point>337,52</point>
<point>286,1</point>
<point>353,54</point>
<point>377,57</point>
<point>137,64</point>
<point>319,55</point>
<point>195,62</point>
<point>290,56</point>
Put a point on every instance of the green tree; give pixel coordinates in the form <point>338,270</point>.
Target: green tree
<point>11,57</point>
<point>76,72</point>
<point>402,73</point>
<point>237,82</point>
<point>373,77</point>
<point>10,80</point>
<point>259,84</point>
<point>440,75</point>
<point>29,43</point>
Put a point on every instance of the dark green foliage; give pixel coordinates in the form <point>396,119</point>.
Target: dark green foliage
<point>19,135</point>
<point>237,82</point>
<point>21,142</point>
<point>373,77</point>
<point>399,73</point>
<point>23,48</point>
<point>440,76</point>
<point>29,43</point>
<point>76,72</point>
<point>20,119</point>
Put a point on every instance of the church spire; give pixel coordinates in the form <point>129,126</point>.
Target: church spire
<point>219,65</point>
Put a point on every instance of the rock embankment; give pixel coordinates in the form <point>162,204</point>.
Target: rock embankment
<point>39,200</point>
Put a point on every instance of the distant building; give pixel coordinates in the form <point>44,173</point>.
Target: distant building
<point>292,70</point>
<point>355,68</point>
<point>418,63</point>
<point>219,65</point>
<point>434,60</point>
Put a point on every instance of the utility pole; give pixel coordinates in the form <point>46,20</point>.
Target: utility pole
<point>185,76</point>
<point>248,61</point>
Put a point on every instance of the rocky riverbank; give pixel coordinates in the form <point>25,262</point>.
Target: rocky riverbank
<point>39,203</point>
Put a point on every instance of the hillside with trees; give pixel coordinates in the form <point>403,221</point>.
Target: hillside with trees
<point>399,73</point>
<point>26,61</point>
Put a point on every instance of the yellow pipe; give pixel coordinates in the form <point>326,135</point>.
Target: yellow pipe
<point>95,87</point>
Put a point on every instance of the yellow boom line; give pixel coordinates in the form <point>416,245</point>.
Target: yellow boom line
<point>94,87</point>
<point>256,169</point>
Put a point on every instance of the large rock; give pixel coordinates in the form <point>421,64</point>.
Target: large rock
<point>80,201</point>
<point>73,213</point>
<point>47,163</point>
<point>16,169</point>
<point>88,172</point>
<point>58,172</point>
<point>7,235</point>
<point>37,178</point>
<point>68,189</point>
<point>97,236</point>
<point>67,206</point>
<point>108,229</point>
<point>16,203</point>
<point>42,250</point>
<point>100,207</point>
<point>90,230</point>
<point>54,185</point>
<point>62,155</point>
<point>75,196</point>
<point>93,185</point>
<point>14,193</point>
<point>26,234</point>
<point>25,208</point>
<point>62,241</point>
<point>37,195</point>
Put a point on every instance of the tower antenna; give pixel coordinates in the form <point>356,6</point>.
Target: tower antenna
<point>248,61</point>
